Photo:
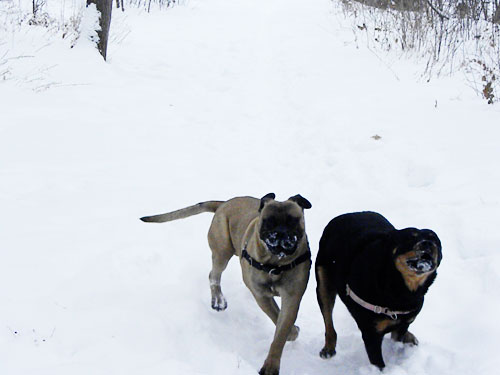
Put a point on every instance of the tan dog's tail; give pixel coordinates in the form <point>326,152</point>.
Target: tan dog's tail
<point>209,206</point>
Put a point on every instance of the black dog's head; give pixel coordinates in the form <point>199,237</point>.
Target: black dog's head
<point>282,223</point>
<point>416,255</point>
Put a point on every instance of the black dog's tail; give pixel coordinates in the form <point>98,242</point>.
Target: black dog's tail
<point>209,206</point>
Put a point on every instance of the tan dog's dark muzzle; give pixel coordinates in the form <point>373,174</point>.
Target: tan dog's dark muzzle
<point>281,242</point>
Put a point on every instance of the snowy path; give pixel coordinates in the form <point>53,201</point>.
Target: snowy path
<point>208,100</point>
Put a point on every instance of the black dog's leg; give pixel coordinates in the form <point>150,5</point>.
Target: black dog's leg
<point>402,334</point>
<point>326,294</point>
<point>373,345</point>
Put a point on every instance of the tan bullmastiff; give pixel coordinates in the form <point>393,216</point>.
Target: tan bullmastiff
<point>269,238</point>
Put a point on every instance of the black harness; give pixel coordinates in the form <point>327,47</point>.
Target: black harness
<point>275,270</point>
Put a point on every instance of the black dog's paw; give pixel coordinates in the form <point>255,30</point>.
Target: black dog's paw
<point>406,338</point>
<point>326,353</point>
<point>219,304</point>
<point>409,338</point>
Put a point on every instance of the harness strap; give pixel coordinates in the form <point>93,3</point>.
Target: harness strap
<point>275,270</point>
<point>376,309</point>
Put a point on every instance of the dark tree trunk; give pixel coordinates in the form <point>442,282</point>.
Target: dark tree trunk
<point>496,15</point>
<point>104,7</point>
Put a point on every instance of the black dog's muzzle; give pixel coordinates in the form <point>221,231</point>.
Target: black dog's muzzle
<point>425,259</point>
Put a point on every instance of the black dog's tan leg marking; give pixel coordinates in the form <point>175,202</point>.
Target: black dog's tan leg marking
<point>403,335</point>
<point>326,294</point>
<point>373,345</point>
<point>382,325</point>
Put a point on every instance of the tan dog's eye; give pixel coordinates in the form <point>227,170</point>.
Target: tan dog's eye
<point>270,223</point>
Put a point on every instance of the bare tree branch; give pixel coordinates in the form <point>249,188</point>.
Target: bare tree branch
<point>439,12</point>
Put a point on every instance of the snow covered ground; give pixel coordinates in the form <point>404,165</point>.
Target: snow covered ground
<point>209,100</point>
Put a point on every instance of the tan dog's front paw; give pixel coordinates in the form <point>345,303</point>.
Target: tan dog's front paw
<point>326,353</point>
<point>294,333</point>
<point>219,303</point>
<point>269,369</point>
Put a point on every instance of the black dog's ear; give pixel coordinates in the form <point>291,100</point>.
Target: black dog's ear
<point>301,201</point>
<point>266,198</point>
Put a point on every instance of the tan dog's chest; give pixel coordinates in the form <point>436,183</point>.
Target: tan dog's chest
<point>270,290</point>
<point>261,283</point>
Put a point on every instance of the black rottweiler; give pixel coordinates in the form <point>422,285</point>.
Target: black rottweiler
<point>380,273</point>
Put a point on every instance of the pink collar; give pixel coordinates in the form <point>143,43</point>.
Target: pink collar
<point>376,309</point>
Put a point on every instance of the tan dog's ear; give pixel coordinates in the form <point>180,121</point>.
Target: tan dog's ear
<point>301,201</point>
<point>266,198</point>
